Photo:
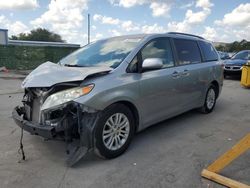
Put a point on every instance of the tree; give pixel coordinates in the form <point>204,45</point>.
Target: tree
<point>221,48</point>
<point>38,34</point>
<point>235,46</point>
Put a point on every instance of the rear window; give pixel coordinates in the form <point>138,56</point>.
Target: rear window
<point>241,55</point>
<point>208,51</point>
<point>187,51</point>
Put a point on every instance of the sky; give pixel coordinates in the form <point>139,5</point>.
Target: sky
<point>216,20</point>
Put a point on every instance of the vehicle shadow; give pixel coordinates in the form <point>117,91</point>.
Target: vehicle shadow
<point>141,139</point>
<point>233,77</point>
<point>168,130</point>
<point>150,138</point>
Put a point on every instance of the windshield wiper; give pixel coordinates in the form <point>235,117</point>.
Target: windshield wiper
<point>75,65</point>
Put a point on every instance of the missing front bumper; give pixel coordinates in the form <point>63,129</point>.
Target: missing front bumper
<point>33,128</point>
<point>77,148</point>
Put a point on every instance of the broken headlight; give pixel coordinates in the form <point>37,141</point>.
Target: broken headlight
<point>66,96</point>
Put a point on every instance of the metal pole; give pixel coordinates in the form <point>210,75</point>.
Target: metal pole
<point>88,28</point>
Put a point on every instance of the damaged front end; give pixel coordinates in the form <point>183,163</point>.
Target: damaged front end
<point>69,121</point>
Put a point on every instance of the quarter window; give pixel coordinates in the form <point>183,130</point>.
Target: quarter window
<point>187,51</point>
<point>208,51</point>
<point>159,48</point>
<point>133,66</point>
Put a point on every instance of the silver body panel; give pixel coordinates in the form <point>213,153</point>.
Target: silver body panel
<point>156,94</point>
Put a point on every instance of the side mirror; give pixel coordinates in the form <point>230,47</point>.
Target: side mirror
<point>152,64</point>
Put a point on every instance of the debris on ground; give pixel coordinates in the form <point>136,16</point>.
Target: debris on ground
<point>4,69</point>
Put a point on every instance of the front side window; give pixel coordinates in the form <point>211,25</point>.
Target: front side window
<point>187,51</point>
<point>208,51</point>
<point>108,52</point>
<point>159,48</point>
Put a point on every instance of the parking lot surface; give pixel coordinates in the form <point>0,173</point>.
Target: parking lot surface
<point>168,154</point>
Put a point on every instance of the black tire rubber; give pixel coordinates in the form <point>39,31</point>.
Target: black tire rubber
<point>204,109</point>
<point>100,149</point>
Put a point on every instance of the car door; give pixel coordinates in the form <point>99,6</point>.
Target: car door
<point>189,66</point>
<point>159,89</point>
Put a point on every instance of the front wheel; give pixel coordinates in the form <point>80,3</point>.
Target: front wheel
<point>210,100</point>
<point>114,131</point>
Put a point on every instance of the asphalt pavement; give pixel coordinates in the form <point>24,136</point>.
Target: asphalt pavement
<point>169,154</point>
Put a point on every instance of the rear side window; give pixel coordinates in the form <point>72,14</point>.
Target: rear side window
<point>159,48</point>
<point>208,51</point>
<point>188,51</point>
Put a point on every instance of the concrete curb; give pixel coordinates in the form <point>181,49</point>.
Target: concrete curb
<point>14,74</point>
<point>21,77</point>
<point>11,92</point>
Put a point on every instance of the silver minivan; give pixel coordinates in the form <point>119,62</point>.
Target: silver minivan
<point>99,96</point>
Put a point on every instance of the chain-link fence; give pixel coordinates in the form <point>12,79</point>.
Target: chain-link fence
<point>29,57</point>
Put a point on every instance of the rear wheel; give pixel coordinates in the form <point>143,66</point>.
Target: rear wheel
<point>210,100</point>
<point>114,131</point>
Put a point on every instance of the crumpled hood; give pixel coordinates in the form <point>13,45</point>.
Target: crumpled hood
<point>48,74</point>
<point>238,62</point>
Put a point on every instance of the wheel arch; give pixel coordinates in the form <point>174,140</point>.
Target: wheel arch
<point>133,109</point>
<point>216,85</point>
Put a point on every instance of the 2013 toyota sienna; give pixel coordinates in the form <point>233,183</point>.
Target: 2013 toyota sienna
<point>99,96</point>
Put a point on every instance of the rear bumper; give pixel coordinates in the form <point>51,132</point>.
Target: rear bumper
<point>33,128</point>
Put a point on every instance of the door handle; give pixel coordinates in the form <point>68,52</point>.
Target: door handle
<point>175,74</point>
<point>185,73</point>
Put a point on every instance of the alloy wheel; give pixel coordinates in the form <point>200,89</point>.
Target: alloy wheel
<point>116,131</point>
<point>210,98</point>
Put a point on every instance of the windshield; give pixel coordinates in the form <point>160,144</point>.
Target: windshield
<point>108,52</point>
<point>241,55</point>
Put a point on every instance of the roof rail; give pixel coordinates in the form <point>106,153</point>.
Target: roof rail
<point>177,33</point>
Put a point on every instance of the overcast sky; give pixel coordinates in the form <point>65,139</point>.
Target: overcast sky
<point>216,20</point>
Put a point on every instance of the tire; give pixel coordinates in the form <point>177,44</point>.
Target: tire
<point>121,133</point>
<point>210,100</point>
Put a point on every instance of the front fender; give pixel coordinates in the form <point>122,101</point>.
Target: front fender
<point>99,100</point>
